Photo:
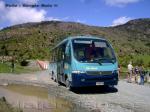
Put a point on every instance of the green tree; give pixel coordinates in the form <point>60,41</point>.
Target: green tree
<point>149,64</point>
<point>139,62</point>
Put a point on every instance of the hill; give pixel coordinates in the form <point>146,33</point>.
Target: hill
<point>34,40</point>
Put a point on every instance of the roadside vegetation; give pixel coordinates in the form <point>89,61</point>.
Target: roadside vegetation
<point>18,68</point>
<point>137,60</point>
<point>34,40</point>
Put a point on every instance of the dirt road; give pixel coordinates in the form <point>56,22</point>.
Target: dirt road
<point>126,97</point>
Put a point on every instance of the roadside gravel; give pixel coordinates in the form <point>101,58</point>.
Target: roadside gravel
<point>126,97</point>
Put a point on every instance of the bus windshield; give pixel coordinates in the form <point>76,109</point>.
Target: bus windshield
<point>93,50</point>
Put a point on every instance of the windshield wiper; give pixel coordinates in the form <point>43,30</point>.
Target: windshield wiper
<point>95,61</point>
<point>107,59</point>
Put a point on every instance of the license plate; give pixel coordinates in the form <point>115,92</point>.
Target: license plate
<point>99,83</point>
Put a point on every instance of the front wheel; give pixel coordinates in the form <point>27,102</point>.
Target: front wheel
<point>68,84</point>
<point>57,80</point>
<point>54,78</point>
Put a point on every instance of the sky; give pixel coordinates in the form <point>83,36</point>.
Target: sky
<point>90,12</point>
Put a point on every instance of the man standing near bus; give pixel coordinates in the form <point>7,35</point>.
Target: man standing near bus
<point>130,69</point>
<point>141,72</point>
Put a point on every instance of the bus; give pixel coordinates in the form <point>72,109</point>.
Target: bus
<point>81,61</point>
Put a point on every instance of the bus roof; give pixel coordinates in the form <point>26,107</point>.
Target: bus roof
<point>78,37</point>
<point>86,36</point>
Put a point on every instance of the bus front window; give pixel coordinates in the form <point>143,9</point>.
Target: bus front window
<point>93,51</point>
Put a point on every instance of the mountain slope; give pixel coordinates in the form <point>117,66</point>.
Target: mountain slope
<point>33,40</point>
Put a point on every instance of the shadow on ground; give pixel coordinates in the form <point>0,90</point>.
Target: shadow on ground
<point>95,90</point>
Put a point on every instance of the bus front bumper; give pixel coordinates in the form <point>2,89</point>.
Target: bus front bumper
<point>82,80</point>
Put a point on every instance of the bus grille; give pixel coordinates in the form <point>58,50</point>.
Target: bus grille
<point>99,72</point>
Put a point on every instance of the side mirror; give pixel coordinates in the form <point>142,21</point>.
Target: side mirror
<point>63,56</point>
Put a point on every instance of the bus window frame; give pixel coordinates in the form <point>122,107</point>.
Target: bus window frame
<point>108,44</point>
<point>60,52</point>
<point>68,55</point>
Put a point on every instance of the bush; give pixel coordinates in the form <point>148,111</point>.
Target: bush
<point>139,62</point>
<point>124,61</point>
<point>148,64</point>
<point>24,63</point>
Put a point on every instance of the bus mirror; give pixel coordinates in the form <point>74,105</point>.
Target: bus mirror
<point>63,56</point>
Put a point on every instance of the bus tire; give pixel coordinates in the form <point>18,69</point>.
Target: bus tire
<point>68,85</point>
<point>52,75</point>
<point>57,81</point>
<point>55,78</point>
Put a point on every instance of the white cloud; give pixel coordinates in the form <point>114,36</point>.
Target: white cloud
<point>66,18</point>
<point>120,3</point>
<point>120,20</point>
<point>2,11</point>
<point>28,1</point>
<point>2,5</point>
<point>80,21</point>
<point>20,15</point>
<point>23,15</point>
<point>52,18</point>
<point>57,19</point>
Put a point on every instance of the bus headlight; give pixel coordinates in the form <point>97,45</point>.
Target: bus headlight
<point>78,72</point>
<point>115,72</point>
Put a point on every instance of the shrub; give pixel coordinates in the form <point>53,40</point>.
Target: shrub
<point>24,63</point>
<point>139,62</point>
<point>149,64</point>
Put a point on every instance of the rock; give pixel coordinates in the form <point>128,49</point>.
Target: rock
<point>4,84</point>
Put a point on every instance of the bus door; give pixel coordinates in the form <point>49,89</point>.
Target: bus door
<point>67,63</point>
<point>60,64</point>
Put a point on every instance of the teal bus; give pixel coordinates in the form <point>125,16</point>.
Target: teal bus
<point>81,61</point>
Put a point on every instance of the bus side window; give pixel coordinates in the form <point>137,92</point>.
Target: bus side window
<point>54,56</point>
<point>63,51</point>
<point>107,53</point>
<point>68,54</point>
<point>59,54</point>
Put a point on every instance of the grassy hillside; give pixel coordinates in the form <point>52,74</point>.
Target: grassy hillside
<point>34,40</point>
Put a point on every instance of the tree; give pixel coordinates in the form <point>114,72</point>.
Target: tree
<point>4,50</point>
<point>139,62</point>
<point>149,64</point>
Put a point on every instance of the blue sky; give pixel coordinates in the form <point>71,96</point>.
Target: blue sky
<point>91,12</point>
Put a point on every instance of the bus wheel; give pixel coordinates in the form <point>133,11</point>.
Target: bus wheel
<point>68,85</point>
<point>54,78</point>
<point>52,75</point>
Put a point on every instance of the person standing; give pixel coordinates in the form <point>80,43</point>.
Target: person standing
<point>130,70</point>
<point>141,72</point>
<point>136,71</point>
<point>12,64</point>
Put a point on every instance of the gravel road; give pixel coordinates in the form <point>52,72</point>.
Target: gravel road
<point>126,97</point>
